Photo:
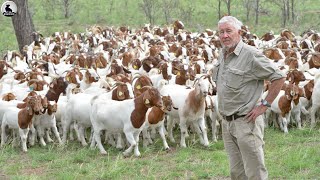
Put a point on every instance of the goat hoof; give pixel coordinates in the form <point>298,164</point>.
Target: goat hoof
<point>103,153</point>
<point>183,145</point>
<point>125,154</point>
<point>119,147</point>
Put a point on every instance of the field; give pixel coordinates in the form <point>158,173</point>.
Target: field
<point>288,156</point>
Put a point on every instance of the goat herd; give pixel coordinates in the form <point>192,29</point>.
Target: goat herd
<point>120,81</point>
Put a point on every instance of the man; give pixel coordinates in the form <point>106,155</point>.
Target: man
<point>239,75</point>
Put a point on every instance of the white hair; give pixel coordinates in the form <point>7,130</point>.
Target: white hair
<point>232,21</point>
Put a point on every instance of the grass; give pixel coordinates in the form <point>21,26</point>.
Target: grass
<point>288,156</point>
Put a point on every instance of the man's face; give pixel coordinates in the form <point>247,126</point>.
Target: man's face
<point>229,35</point>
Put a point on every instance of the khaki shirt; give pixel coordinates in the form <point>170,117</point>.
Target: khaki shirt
<point>240,79</point>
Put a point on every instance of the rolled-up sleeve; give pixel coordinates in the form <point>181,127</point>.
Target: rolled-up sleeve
<point>263,68</point>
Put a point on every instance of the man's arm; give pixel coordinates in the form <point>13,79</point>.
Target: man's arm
<point>273,91</point>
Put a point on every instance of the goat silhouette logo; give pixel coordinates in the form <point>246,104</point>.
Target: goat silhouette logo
<point>9,8</point>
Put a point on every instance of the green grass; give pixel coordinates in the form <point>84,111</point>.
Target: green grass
<point>288,156</point>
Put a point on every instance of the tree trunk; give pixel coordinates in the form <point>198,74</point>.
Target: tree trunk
<point>111,6</point>
<point>66,6</point>
<point>247,6</point>
<point>284,13</point>
<point>229,6</point>
<point>288,9</point>
<point>292,11</point>
<point>219,9</point>
<point>257,12</point>
<point>22,24</point>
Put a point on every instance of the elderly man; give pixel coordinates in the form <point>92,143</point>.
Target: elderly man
<point>239,75</point>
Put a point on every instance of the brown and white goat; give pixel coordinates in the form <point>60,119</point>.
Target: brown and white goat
<point>282,105</point>
<point>21,119</point>
<point>155,119</point>
<point>105,116</point>
<point>191,108</point>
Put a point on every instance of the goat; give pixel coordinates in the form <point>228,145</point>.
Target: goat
<point>105,116</point>
<point>191,108</point>
<point>21,119</point>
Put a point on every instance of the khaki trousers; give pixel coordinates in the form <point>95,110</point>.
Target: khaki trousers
<point>243,142</point>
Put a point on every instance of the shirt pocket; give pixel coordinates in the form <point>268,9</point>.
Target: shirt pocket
<point>234,78</point>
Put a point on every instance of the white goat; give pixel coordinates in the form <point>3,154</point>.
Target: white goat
<point>315,100</point>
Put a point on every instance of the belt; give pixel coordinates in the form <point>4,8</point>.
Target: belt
<point>233,117</point>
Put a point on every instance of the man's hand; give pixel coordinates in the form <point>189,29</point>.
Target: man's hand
<point>255,112</point>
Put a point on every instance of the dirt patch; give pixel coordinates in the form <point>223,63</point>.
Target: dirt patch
<point>311,12</point>
<point>26,169</point>
<point>3,176</point>
<point>33,171</point>
<point>221,178</point>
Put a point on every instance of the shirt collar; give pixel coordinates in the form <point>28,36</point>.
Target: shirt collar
<point>238,48</point>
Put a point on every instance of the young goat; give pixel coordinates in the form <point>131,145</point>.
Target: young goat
<point>191,108</point>
<point>21,119</point>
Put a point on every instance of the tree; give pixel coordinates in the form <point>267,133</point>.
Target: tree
<point>111,3</point>
<point>292,11</point>
<point>219,9</point>
<point>283,4</point>
<point>284,12</point>
<point>49,7</point>
<point>66,4</point>
<point>22,24</point>
<point>186,11</point>
<point>288,9</point>
<point>247,6</point>
<point>228,2</point>
<point>257,12</point>
<point>167,7</point>
<point>149,8</point>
